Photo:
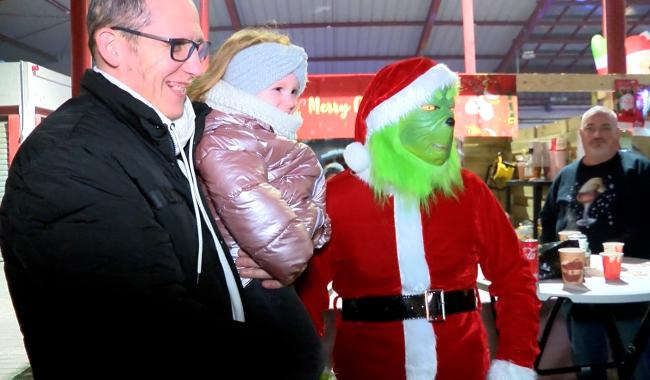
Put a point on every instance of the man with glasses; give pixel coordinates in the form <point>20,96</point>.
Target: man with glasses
<point>604,196</point>
<point>114,267</point>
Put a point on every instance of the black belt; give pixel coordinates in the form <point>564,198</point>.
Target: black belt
<point>433,305</point>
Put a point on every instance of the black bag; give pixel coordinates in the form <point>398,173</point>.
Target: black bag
<point>549,258</point>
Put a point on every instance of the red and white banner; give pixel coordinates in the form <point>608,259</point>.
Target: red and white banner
<point>486,106</point>
<point>329,105</point>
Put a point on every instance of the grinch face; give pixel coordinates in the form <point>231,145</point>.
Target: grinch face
<point>427,131</point>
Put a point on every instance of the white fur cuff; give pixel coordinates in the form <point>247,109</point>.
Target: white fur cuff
<point>504,370</point>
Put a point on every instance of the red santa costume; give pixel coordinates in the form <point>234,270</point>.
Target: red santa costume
<point>384,257</point>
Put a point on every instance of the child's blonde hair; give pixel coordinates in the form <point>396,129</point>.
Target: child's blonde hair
<point>237,42</point>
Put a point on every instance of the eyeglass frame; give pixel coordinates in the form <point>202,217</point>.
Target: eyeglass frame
<point>196,46</point>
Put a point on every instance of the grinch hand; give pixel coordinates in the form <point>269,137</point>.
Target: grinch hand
<point>409,229</point>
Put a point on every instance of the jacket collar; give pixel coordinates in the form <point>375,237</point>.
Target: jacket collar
<point>120,102</point>
<point>129,110</point>
<point>229,99</point>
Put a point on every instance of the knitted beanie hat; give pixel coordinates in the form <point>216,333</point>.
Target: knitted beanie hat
<point>259,66</point>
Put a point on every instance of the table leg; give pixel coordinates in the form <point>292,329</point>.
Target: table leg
<point>636,348</point>
<point>624,361</point>
<point>537,203</point>
<point>546,333</point>
<point>508,207</point>
<point>615,343</point>
<point>493,308</point>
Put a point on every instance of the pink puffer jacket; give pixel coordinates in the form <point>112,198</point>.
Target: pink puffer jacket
<point>267,193</point>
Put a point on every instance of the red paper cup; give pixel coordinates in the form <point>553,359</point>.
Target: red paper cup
<point>612,265</point>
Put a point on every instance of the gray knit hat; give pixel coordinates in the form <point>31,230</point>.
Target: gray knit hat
<point>259,66</point>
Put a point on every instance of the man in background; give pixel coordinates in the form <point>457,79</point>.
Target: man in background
<point>113,265</point>
<point>604,196</point>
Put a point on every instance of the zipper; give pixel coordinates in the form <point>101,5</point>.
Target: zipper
<point>171,128</point>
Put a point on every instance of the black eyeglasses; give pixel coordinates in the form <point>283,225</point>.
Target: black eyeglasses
<point>181,49</point>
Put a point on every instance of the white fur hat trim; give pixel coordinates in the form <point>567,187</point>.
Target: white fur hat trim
<point>414,94</point>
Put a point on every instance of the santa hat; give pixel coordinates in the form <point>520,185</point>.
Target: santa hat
<point>636,44</point>
<point>396,90</point>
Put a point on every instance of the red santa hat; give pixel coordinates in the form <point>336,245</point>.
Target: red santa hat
<point>395,91</point>
<point>637,43</point>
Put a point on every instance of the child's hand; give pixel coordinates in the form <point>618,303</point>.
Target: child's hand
<point>248,268</point>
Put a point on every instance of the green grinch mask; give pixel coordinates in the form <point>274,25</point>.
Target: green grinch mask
<point>427,132</point>
<point>416,155</point>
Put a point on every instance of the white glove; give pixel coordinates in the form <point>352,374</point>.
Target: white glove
<point>504,370</point>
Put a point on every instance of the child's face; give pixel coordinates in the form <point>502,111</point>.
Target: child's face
<point>282,94</point>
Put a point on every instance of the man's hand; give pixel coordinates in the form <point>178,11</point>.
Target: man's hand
<point>248,268</point>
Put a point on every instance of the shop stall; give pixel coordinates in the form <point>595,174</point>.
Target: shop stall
<point>29,93</point>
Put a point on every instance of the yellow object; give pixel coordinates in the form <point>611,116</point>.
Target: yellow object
<point>503,171</point>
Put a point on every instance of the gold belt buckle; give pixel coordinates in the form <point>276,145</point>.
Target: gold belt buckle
<point>434,299</point>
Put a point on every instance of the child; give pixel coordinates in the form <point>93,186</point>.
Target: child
<point>266,191</point>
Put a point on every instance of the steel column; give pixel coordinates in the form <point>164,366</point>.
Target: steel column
<point>81,59</point>
<point>469,43</point>
<point>615,32</point>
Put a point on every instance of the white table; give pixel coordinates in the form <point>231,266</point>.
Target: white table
<point>634,286</point>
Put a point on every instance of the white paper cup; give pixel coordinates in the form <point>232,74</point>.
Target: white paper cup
<point>564,234</point>
<point>572,261</point>
<point>613,246</point>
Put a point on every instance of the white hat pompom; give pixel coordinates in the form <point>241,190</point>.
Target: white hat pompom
<point>357,157</point>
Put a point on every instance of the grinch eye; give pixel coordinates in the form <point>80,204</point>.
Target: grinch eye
<point>429,107</point>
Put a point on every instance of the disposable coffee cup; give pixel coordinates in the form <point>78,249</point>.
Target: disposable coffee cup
<point>572,262</point>
<point>613,246</point>
<point>564,234</point>
<point>612,265</point>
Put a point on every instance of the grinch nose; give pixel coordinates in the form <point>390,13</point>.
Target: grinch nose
<point>450,122</point>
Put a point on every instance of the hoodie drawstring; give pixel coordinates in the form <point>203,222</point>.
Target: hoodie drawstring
<point>187,167</point>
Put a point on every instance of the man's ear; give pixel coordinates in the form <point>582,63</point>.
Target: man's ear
<point>109,46</point>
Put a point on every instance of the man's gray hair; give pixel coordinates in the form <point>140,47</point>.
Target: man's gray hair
<point>132,14</point>
<point>599,110</point>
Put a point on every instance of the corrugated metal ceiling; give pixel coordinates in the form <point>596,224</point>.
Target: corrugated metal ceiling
<point>348,36</point>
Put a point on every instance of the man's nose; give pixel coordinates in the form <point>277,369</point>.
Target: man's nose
<point>194,65</point>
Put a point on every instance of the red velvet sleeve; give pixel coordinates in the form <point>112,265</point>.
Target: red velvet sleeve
<point>512,283</point>
<point>312,287</point>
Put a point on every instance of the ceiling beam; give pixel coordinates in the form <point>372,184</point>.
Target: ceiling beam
<point>21,45</point>
<point>59,6</point>
<point>397,57</point>
<point>358,24</point>
<point>560,51</point>
<point>558,39</point>
<point>548,32</point>
<point>428,25</point>
<point>320,25</point>
<point>633,24</point>
<point>533,20</point>
<point>596,2</point>
<point>233,15</point>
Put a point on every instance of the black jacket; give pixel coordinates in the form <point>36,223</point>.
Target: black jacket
<point>99,239</point>
<point>618,213</point>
